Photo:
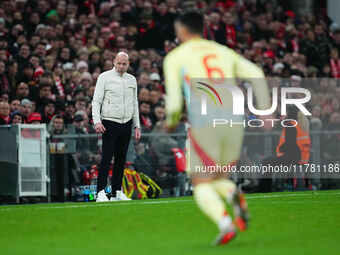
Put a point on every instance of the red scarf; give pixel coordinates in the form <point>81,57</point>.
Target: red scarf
<point>146,122</point>
<point>335,68</point>
<point>143,30</point>
<point>59,86</point>
<point>295,45</point>
<point>5,118</point>
<point>230,36</point>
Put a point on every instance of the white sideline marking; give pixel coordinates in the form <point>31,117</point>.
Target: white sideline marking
<point>282,195</point>
<point>105,204</point>
<point>108,204</point>
<point>94,204</point>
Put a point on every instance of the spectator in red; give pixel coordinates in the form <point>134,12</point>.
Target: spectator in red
<point>34,118</point>
<point>335,63</point>
<point>230,30</point>
<point>4,113</point>
<point>35,61</point>
<point>293,40</point>
<point>145,120</point>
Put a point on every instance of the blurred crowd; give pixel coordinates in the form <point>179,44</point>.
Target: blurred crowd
<point>51,53</point>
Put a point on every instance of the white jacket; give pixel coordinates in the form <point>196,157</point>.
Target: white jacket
<point>115,98</point>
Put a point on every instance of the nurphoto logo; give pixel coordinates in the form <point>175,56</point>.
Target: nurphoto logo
<point>286,96</point>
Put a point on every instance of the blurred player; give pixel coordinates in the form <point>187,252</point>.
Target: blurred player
<point>200,58</point>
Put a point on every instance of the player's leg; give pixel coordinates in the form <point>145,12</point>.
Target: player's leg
<point>212,205</point>
<point>228,190</point>
<point>108,141</point>
<point>232,139</point>
<point>206,197</point>
<point>120,151</point>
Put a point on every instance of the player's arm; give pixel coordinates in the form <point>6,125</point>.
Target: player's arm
<point>173,87</point>
<point>247,70</point>
<point>98,99</point>
<point>136,122</point>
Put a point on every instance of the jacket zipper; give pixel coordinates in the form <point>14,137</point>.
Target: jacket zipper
<point>123,100</point>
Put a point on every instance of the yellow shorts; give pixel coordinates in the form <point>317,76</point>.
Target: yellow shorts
<point>212,150</point>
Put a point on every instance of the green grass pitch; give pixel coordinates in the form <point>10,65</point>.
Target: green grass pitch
<point>282,223</point>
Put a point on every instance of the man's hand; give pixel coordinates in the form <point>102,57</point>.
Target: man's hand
<point>137,134</point>
<point>99,127</point>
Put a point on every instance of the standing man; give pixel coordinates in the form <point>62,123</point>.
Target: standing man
<point>115,114</point>
<point>197,58</point>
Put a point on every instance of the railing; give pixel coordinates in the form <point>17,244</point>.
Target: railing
<point>255,143</point>
<point>153,156</point>
<point>75,154</point>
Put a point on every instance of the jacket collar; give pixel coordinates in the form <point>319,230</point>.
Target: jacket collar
<point>115,71</point>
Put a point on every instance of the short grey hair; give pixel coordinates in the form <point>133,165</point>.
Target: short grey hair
<point>122,53</point>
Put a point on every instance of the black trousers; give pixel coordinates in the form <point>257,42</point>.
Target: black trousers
<point>265,184</point>
<point>116,141</point>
